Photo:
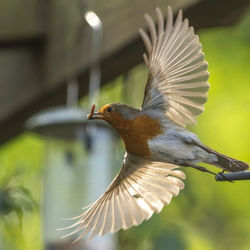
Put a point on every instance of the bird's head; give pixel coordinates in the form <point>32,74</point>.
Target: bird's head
<point>107,112</point>
<point>113,113</point>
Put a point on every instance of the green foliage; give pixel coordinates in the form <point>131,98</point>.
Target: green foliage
<point>20,184</point>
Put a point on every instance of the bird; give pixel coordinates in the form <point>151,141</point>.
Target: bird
<point>156,140</point>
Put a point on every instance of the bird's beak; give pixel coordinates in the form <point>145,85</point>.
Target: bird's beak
<point>95,116</point>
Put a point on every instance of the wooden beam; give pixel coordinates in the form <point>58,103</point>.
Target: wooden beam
<point>20,79</point>
<point>207,14</point>
<point>21,20</point>
<point>69,36</point>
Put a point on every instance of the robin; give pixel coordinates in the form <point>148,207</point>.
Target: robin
<point>154,135</point>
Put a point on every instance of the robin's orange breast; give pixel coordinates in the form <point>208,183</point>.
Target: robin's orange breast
<point>137,132</point>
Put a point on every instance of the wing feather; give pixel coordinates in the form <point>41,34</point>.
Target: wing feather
<point>158,185</point>
<point>158,191</point>
<point>100,219</point>
<point>106,225</point>
<point>141,188</point>
<point>129,218</point>
<point>118,220</point>
<point>177,84</point>
<point>138,192</point>
<point>138,213</point>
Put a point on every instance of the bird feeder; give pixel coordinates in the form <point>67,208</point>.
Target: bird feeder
<point>77,169</point>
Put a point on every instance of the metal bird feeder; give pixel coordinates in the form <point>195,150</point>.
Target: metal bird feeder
<point>77,169</point>
<point>78,163</point>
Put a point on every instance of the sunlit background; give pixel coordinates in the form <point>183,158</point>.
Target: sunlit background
<point>206,215</point>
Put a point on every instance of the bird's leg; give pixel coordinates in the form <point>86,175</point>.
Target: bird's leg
<point>202,169</point>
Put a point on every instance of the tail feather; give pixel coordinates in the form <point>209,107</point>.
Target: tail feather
<point>230,164</point>
<point>227,163</point>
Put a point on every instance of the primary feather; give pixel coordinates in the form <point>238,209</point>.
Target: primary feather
<point>141,188</point>
<point>177,83</point>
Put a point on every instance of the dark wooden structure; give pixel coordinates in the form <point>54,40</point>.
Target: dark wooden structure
<point>43,44</point>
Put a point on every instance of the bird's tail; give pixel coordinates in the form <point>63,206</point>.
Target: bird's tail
<point>227,163</point>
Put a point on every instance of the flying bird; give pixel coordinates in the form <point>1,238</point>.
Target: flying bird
<point>156,140</point>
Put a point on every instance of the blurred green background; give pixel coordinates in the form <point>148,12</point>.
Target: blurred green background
<point>206,215</point>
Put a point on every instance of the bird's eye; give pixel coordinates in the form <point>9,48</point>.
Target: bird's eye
<point>109,109</point>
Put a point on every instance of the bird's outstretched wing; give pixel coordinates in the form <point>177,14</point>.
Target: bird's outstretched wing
<point>140,189</point>
<point>177,82</point>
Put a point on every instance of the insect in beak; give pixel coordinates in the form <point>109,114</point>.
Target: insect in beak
<point>94,115</point>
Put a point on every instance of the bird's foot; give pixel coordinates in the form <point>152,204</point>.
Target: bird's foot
<point>224,177</point>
